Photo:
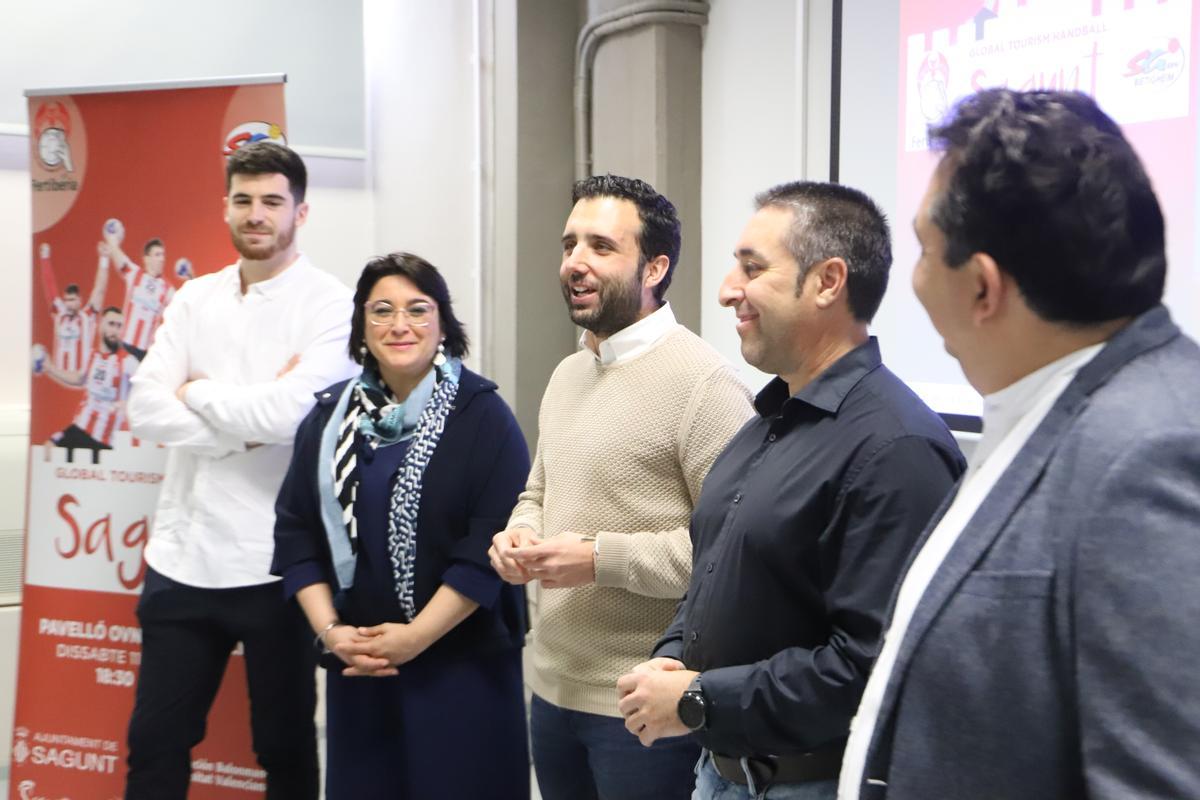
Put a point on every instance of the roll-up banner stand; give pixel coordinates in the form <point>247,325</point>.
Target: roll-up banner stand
<point>135,167</point>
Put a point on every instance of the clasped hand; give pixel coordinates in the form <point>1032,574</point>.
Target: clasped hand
<point>519,556</point>
<point>375,651</point>
<point>649,699</point>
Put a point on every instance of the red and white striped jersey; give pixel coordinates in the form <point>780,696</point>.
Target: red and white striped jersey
<point>106,385</point>
<point>74,335</point>
<point>145,299</point>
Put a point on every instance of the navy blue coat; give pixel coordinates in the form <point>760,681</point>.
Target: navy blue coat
<point>460,702</point>
<point>469,489</point>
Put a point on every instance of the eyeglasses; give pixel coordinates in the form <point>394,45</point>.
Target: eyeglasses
<point>419,315</point>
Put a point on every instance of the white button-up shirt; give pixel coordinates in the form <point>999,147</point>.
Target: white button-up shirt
<point>1010,416</point>
<point>229,445</point>
<point>634,340</point>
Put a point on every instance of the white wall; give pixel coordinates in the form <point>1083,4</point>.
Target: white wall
<point>317,43</point>
<point>423,135</point>
<point>753,126</point>
<point>340,233</point>
<point>14,459</point>
<point>15,247</point>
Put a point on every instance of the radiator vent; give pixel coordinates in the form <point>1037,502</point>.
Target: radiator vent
<point>12,553</point>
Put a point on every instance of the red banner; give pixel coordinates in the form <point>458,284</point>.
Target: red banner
<point>127,189</point>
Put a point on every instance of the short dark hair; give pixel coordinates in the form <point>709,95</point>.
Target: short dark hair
<point>427,279</point>
<point>155,242</point>
<point>111,310</point>
<point>834,221</point>
<point>660,222</point>
<point>1047,185</point>
<point>72,288</point>
<point>268,158</point>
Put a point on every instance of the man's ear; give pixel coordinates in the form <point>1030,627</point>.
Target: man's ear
<point>654,271</point>
<point>992,286</point>
<point>828,279</point>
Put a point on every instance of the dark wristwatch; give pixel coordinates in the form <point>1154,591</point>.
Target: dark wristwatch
<point>692,707</point>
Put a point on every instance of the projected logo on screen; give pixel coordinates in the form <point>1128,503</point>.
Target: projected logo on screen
<point>1161,64</point>
<point>251,132</point>
<point>933,80</point>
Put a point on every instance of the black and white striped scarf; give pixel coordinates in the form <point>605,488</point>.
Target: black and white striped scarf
<point>372,412</point>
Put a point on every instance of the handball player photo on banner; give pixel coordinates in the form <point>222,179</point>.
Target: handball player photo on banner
<point>126,185</point>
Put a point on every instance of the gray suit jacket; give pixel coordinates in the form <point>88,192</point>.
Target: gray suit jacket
<point>1056,654</point>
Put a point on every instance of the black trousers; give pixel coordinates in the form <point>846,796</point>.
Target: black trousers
<point>187,636</point>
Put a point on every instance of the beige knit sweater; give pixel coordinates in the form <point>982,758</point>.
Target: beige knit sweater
<point>622,452</point>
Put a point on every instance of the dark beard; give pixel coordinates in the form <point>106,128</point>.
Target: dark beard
<point>618,306</point>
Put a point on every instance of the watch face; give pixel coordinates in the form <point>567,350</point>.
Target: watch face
<point>691,710</point>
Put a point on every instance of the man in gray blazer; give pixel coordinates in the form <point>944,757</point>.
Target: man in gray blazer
<point>1045,640</point>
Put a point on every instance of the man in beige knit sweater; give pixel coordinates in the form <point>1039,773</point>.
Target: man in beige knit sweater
<point>628,428</point>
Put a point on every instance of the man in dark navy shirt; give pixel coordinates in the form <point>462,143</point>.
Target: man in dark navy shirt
<point>805,520</point>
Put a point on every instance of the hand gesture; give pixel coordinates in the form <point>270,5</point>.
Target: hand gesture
<point>561,561</point>
<point>505,545</point>
<point>649,699</point>
<point>375,651</point>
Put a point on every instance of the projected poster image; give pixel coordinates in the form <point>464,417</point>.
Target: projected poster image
<point>1134,56</point>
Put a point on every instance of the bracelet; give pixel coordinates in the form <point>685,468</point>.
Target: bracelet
<point>319,639</point>
<point>594,538</point>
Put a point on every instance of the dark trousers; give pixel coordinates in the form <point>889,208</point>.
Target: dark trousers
<point>581,756</point>
<point>187,636</point>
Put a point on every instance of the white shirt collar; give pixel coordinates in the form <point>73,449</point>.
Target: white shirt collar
<point>1003,409</point>
<point>635,339</point>
<point>276,283</point>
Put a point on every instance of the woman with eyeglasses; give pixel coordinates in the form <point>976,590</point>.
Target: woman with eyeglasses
<point>398,482</point>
